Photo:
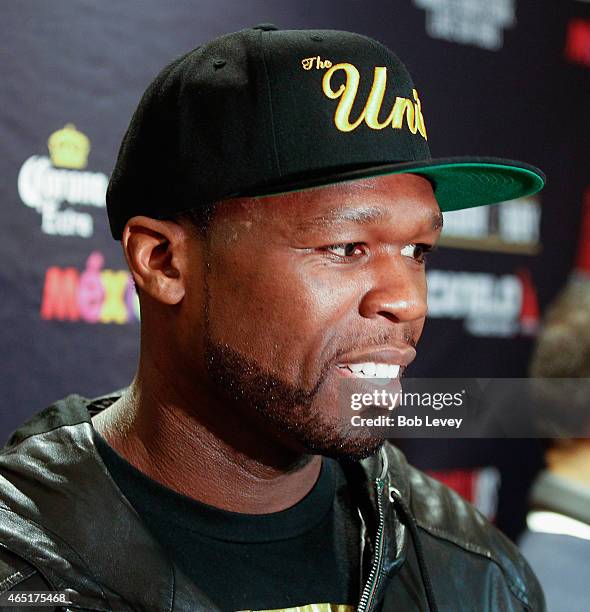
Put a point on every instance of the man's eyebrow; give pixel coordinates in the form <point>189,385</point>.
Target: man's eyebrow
<point>362,216</point>
<point>335,216</point>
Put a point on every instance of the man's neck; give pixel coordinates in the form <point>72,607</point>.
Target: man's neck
<point>174,446</point>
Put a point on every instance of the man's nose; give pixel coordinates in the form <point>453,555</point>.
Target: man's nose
<point>397,291</point>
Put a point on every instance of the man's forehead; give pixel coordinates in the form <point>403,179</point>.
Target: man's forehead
<point>368,201</point>
<point>362,201</point>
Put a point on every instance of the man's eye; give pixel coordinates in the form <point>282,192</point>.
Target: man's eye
<point>346,249</point>
<point>417,252</point>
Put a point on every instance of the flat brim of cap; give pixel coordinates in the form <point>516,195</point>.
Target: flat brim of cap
<point>458,182</point>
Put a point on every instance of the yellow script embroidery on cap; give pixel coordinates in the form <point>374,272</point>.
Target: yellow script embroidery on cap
<point>309,62</point>
<point>403,108</point>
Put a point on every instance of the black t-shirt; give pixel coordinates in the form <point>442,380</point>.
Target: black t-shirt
<point>307,554</point>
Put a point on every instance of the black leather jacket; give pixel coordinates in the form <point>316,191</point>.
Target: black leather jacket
<point>65,524</point>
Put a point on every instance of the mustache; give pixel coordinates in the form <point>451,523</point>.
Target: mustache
<point>385,338</point>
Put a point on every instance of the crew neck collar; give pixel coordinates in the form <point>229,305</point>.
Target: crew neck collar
<point>148,495</point>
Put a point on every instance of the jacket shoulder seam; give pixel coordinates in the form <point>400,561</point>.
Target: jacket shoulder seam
<point>7,450</point>
<point>57,538</point>
<point>422,487</point>
<point>513,584</point>
<point>72,410</point>
<point>14,569</point>
<point>6,584</point>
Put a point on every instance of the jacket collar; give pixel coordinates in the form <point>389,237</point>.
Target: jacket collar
<point>373,477</point>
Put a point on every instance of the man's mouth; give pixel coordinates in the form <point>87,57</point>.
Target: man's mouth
<point>379,366</point>
<point>370,369</point>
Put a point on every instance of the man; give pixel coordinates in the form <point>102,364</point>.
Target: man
<point>557,541</point>
<point>275,198</point>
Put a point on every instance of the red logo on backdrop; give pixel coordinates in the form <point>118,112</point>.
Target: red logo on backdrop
<point>529,309</point>
<point>577,45</point>
<point>479,486</point>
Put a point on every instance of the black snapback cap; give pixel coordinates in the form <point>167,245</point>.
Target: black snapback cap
<point>264,111</point>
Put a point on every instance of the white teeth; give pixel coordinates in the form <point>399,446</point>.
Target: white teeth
<point>355,367</point>
<point>370,369</point>
<point>382,370</point>
<point>394,372</point>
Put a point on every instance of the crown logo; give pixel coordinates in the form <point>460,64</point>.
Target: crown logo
<point>69,148</point>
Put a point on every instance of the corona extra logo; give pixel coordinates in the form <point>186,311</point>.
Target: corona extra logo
<point>54,185</point>
<point>69,148</point>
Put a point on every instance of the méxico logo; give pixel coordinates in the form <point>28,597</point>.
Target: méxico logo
<point>91,295</point>
<point>59,188</point>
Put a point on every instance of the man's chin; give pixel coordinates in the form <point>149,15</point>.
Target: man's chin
<point>349,449</point>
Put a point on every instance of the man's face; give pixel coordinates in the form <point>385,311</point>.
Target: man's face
<point>303,289</point>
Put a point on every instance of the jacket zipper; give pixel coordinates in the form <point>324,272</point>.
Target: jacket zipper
<point>370,589</point>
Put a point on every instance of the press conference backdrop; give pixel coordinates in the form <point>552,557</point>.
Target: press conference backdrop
<point>504,78</point>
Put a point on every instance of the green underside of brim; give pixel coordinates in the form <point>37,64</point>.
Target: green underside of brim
<point>467,185</point>
<point>458,182</point>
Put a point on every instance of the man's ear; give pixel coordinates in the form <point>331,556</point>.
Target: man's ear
<point>157,255</point>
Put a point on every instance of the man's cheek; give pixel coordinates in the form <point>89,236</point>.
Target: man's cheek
<point>252,314</point>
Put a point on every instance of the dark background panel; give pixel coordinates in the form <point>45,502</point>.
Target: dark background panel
<point>87,63</point>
